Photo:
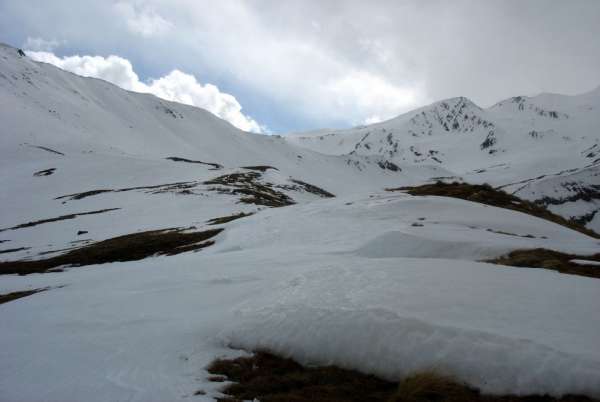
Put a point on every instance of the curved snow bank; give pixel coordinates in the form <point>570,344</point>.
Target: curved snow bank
<point>383,343</point>
<point>503,330</point>
<point>396,244</point>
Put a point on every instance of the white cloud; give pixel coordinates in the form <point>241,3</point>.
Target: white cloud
<point>176,86</point>
<point>295,57</point>
<point>370,95</point>
<point>40,44</point>
<point>373,119</point>
<point>142,20</point>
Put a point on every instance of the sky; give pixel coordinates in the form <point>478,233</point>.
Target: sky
<point>279,66</point>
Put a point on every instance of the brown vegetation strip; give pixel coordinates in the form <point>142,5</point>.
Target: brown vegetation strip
<point>313,189</point>
<point>550,259</point>
<point>224,219</point>
<point>178,159</point>
<point>486,194</point>
<point>130,247</point>
<point>158,188</point>
<point>5,298</point>
<point>48,149</point>
<point>46,172</point>
<point>260,168</point>
<point>59,218</point>
<point>269,378</point>
<point>251,189</point>
<point>13,250</point>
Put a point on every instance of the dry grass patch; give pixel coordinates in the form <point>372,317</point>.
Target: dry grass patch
<point>224,219</point>
<point>250,188</point>
<point>550,259</point>
<point>486,194</point>
<point>273,379</point>
<point>58,218</point>
<point>7,297</point>
<point>269,378</point>
<point>130,247</point>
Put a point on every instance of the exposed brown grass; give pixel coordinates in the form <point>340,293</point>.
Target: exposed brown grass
<point>180,187</point>
<point>269,378</point>
<point>46,172</point>
<point>260,168</point>
<point>486,194</point>
<point>432,386</point>
<point>247,185</point>
<point>130,247</point>
<point>13,250</point>
<point>550,259</point>
<point>274,379</point>
<point>313,189</point>
<point>7,297</point>
<point>178,159</point>
<point>58,218</point>
<point>224,219</point>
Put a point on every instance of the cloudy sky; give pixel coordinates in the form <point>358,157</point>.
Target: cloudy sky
<point>294,65</point>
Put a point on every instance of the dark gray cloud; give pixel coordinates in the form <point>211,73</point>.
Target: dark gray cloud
<point>332,62</point>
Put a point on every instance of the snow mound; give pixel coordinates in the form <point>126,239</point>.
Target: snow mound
<point>413,315</point>
<point>383,343</point>
<point>396,244</point>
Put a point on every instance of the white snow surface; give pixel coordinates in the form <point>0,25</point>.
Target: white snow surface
<point>381,282</point>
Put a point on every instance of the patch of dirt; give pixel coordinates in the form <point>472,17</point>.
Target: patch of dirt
<point>46,172</point>
<point>550,259</point>
<point>13,250</point>
<point>85,194</point>
<point>224,219</point>
<point>260,168</point>
<point>181,187</point>
<point>527,236</point>
<point>215,166</point>
<point>130,247</point>
<point>250,188</point>
<point>47,149</point>
<point>486,194</point>
<point>309,188</point>
<point>269,378</point>
<point>7,297</point>
<point>58,218</point>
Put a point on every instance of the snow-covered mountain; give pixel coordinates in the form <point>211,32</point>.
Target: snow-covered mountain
<point>295,246</point>
<point>548,145</point>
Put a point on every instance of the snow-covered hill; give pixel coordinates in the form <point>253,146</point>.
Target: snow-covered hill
<point>521,139</point>
<point>321,263</point>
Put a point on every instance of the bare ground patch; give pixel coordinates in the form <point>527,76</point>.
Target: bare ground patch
<point>181,187</point>
<point>550,259</point>
<point>215,166</point>
<point>8,297</point>
<point>58,218</point>
<point>13,250</point>
<point>46,172</point>
<point>269,378</point>
<point>130,247</point>
<point>224,219</point>
<point>253,191</point>
<point>260,168</point>
<point>47,149</point>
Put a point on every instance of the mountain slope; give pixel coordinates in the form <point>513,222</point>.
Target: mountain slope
<point>163,237</point>
<point>521,139</point>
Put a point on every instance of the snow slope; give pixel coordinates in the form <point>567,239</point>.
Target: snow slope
<point>381,282</point>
